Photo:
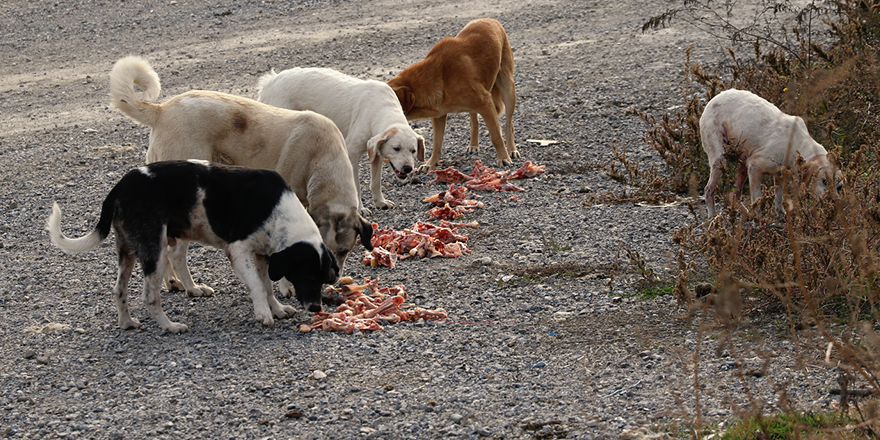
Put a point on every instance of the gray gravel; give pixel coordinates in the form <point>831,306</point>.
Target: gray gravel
<point>527,353</point>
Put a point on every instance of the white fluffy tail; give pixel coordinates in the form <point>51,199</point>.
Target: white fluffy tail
<point>127,73</point>
<point>71,245</point>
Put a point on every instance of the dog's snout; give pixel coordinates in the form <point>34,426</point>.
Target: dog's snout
<point>407,169</point>
<point>315,308</point>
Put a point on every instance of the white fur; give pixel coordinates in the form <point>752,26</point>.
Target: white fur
<point>70,245</point>
<point>287,224</point>
<point>367,113</point>
<point>307,149</point>
<point>769,139</point>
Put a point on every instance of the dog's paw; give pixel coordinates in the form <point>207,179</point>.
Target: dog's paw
<point>175,327</point>
<point>265,318</point>
<point>366,212</point>
<point>505,162</point>
<point>427,168</point>
<point>286,289</point>
<point>473,148</point>
<point>284,312</point>
<point>200,290</point>
<point>384,204</point>
<point>129,323</point>
<point>174,285</point>
<point>515,154</point>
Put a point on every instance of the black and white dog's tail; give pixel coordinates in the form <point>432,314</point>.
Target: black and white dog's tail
<point>88,241</point>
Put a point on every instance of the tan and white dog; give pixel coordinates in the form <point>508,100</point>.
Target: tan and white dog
<point>304,147</point>
<point>769,140</point>
<point>471,72</point>
<point>367,112</point>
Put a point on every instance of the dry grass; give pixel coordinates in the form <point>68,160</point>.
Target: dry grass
<point>816,265</point>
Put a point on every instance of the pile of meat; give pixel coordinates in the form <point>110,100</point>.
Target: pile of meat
<point>419,240</point>
<point>452,203</point>
<point>427,240</point>
<point>485,178</point>
<point>366,305</point>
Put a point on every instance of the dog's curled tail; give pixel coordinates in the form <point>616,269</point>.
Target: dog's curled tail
<point>84,243</point>
<point>127,73</point>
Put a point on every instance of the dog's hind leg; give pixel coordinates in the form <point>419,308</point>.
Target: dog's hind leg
<point>439,126</point>
<point>279,310</point>
<point>154,258</point>
<point>177,262</point>
<point>709,191</point>
<point>120,290</point>
<point>504,83</point>
<point>493,124</point>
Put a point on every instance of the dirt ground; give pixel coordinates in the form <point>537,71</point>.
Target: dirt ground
<point>541,342</point>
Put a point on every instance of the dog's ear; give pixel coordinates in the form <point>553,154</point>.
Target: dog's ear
<point>328,265</point>
<point>420,149</point>
<point>301,256</point>
<point>366,233</point>
<point>279,264</point>
<point>374,145</point>
<point>406,98</point>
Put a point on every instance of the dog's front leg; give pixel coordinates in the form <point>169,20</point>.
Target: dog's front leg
<point>474,145</point>
<point>279,310</point>
<point>355,160</point>
<point>286,288</point>
<point>376,184</point>
<point>756,174</point>
<point>245,267</point>
<point>439,127</point>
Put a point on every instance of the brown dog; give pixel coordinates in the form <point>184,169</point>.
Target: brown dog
<point>471,72</point>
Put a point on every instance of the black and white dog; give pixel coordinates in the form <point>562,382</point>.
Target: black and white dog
<point>251,214</point>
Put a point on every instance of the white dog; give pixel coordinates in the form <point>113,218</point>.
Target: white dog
<point>304,147</point>
<point>367,112</point>
<point>770,141</point>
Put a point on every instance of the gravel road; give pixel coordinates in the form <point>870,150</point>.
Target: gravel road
<point>536,345</point>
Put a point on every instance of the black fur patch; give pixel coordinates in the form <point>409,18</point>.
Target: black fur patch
<point>305,269</point>
<point>237,202</point>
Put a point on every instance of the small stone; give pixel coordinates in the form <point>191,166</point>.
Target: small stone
<point>456,418</point>
<point>294,414</point>
<point>318,375</point>
<point>483,432</point>
<point>29,354</point>
<point>539,365</point>
<point>43,359</point>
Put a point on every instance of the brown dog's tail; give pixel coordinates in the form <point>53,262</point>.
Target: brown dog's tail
<point>127,73</point>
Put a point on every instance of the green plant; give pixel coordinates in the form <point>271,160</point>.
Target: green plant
<point>790,425</point>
